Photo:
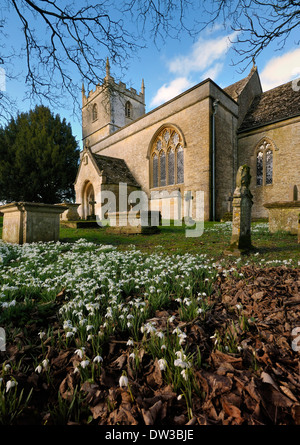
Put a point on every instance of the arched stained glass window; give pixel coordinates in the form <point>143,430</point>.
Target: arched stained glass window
<point>269,167</point>
<point>259,168</point>
<point>264,164</point>
<point>171,167</point>
<point>163,176</point>
<point>180,165</point>
<point>155,170</point>
<point>167,160</point>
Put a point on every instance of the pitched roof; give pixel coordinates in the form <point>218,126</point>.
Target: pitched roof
<point>274,105</point>
<point>115,170</point>
<point>236,88</point>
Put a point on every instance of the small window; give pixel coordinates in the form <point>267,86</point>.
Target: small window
<point>264,164</point>
<point>94,112</point>
<point>128,109</point>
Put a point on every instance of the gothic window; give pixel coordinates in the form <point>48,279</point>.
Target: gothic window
<point>264,164</point>
<point>167,159</point>
<point>269,167</point>
<point>162,163</point>
<point>180,165</point>
<point>155,170</point>
<point>171,166</point>
<point>128,109</point>
<point>94,112</point>
<point>259,168</point>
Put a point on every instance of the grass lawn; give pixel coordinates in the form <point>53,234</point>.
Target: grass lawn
<point>214,240</point>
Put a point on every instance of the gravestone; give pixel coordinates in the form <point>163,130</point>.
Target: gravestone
<point>133,223</point>
<point>71,214</point>
<point>27,222</point>
<point>241,212</point>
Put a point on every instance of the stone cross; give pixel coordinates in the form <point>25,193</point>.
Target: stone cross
<point>241,212</point>
<point>92,204</point>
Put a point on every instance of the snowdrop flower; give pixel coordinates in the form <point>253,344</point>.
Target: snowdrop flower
<point>162,364</point>
<point>84,363</point>
<point>10,384</point>
<point>130,342</point>
<point>184,374</point>
<point>80,352</point>
<point>180,363</point>
<point>123,381</point>
<point>239,306</point>
<point>69,334</point>
<point>89,327</point>
<point>6,367</point>
<point>45,363</point>
<point>42,335</point>
<point>132,355</point>
<point>163,347</point>
<point>98,359</point>
<point>38,369</point>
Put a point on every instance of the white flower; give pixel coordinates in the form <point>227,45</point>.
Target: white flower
<point>42,335</point>
<point>10,384</point>
<point>162,364</point>
<point>123,381</point>
<point>89,327</point>
<point>6,367</point>
<point>132,355</point>
<point>84,363</point>
<point>98,359</point>
<point>38,369</point>
<point>180,363</point>
<point>69,334</point>
<point>79,352</point>
<point>130,342</point>
<point>45,363</point>
<point>184,374</point>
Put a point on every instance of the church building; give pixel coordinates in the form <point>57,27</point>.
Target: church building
<point>194,142</point>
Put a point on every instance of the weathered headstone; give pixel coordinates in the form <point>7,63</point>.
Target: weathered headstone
<point>71,214</point>
<point>241,213</point>
<point>27,222</point>
<point>131,223</point>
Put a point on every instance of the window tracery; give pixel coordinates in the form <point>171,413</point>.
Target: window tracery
<point>167,159</point>
<point>264,164</point>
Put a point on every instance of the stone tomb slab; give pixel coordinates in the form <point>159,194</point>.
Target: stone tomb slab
<point>27,222</point>
<point>284,216</point>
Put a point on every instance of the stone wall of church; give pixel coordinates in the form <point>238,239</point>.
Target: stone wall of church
<point>226,153</point>
<point>87,175</point>
<point>284,137</point>
<point>190,112</point>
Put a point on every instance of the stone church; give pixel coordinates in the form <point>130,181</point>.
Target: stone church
<point>194,142</point>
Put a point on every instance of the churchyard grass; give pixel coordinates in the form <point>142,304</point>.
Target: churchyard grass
<point>97,286</point>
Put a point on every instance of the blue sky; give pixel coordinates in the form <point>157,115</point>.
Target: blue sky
<point>173,67</point>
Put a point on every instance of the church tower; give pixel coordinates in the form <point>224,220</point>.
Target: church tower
<point>109,107</point>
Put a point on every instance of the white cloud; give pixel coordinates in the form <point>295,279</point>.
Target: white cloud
<point>281,69</point>
<point>203,54</point>
<point>213,72</point>
<point>168,91</point>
